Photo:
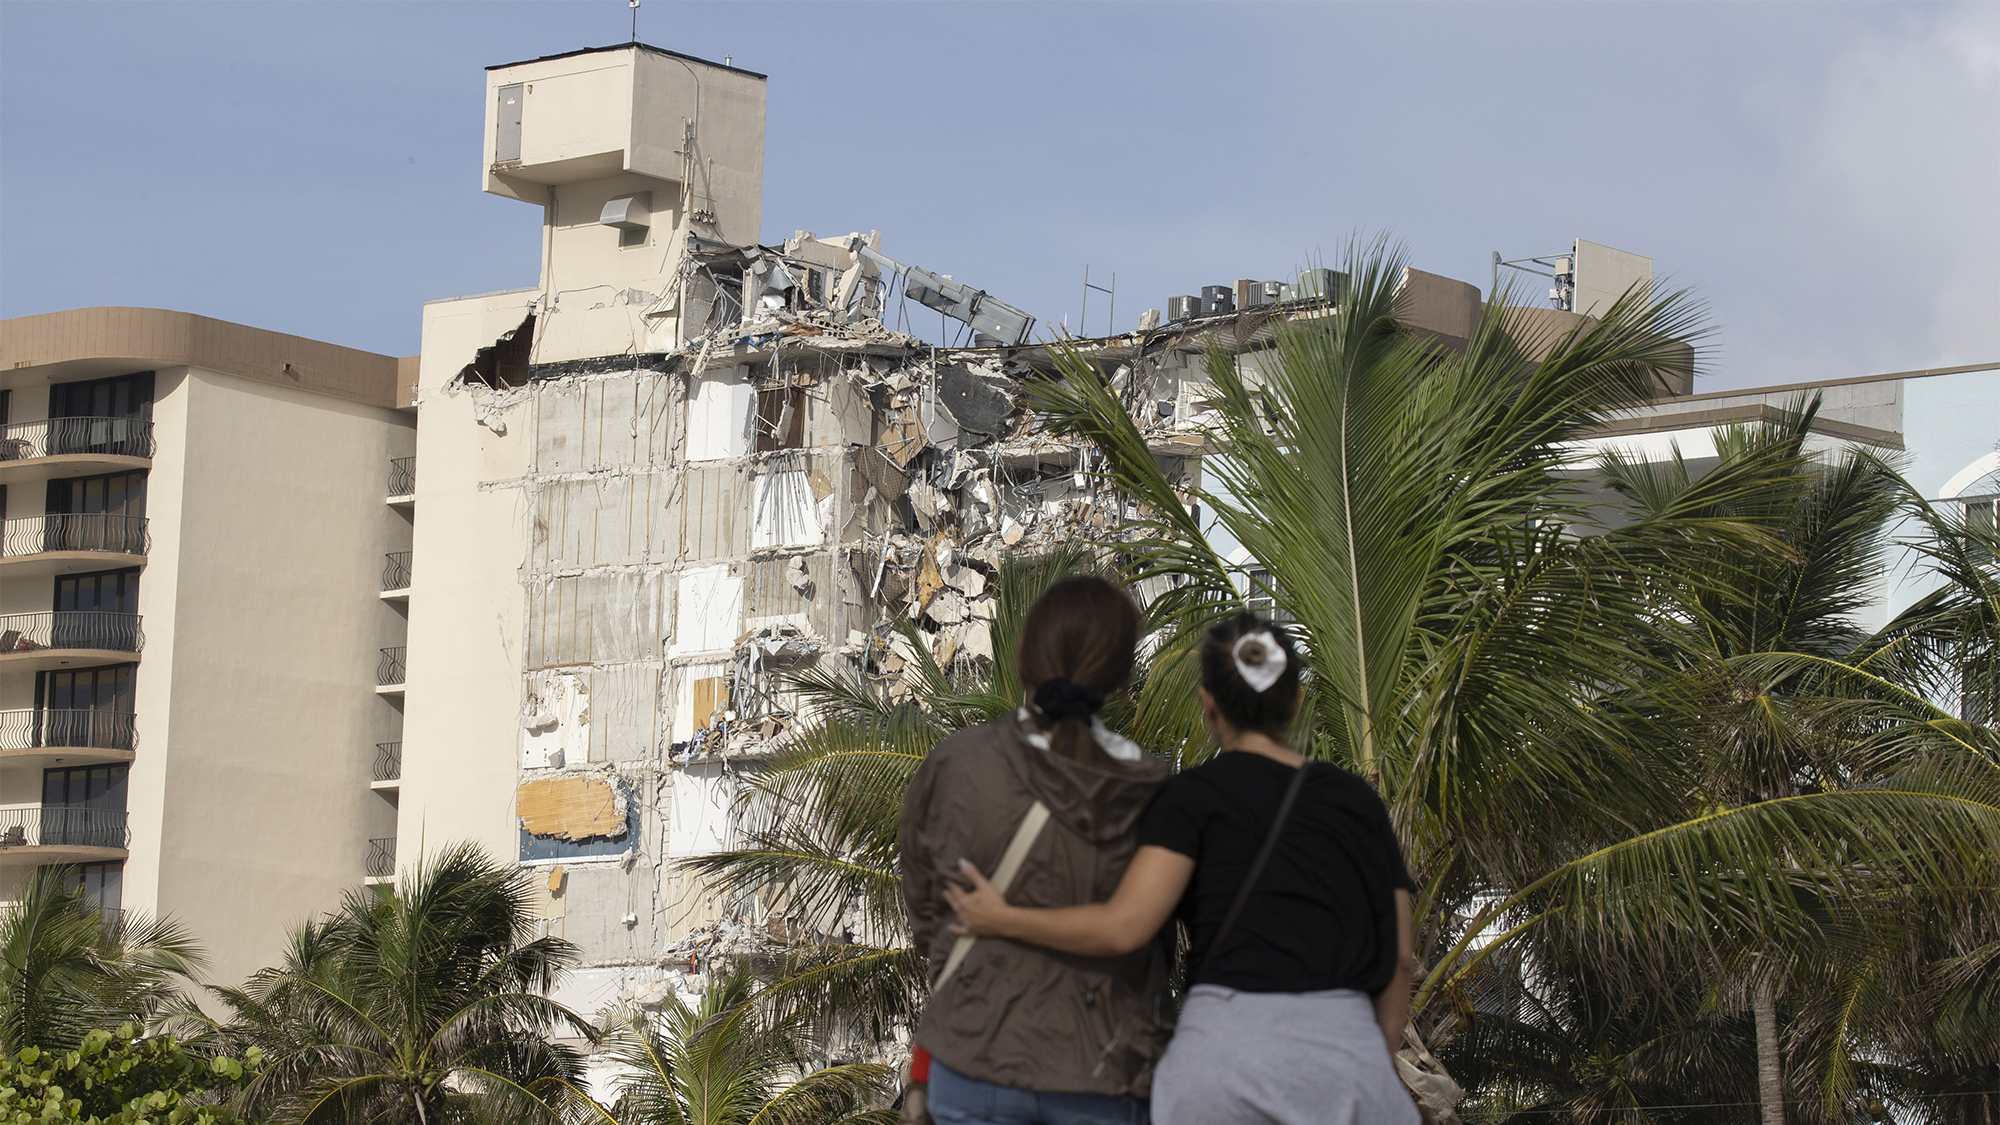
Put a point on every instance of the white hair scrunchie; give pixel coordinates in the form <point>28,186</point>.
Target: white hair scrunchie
<point>1266,663</point>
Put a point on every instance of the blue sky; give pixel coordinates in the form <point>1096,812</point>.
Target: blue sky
<point>1826,177</point>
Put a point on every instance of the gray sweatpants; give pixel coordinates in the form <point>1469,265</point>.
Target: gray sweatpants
<point>1278,1058</point>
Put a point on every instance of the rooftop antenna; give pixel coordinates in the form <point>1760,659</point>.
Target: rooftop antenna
<point>1083,313</point>
<point>635,19</point>
<point>1559,267</point>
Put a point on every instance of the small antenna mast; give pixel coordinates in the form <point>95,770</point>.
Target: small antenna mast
<point>1085,312</point>
<point>635,19</point>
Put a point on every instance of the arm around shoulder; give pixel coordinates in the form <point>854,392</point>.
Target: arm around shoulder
<point>1145,898</point>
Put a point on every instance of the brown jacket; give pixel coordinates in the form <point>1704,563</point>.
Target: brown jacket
<point>1015,1014</point>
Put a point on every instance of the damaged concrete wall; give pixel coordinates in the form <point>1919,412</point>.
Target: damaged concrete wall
<point>694,528</point>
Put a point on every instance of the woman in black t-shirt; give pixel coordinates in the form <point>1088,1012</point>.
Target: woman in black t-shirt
<point>1293,1014</point>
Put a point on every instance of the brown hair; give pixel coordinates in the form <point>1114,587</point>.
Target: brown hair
<point>1247,709</point>
<point>1077,646</point>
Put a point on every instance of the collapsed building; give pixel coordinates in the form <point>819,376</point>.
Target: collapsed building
<point>685,467</point>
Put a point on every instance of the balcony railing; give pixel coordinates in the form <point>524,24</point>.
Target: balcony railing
<point>382,858</point>
<point>389,670</point>
<point>63,826</point>
<point>125,535</point>
<point>402,476</point>
<point>50,727</point>
<point>70,628</point>
<point>388,761</point>
<point>396,570</point>
<point>53,437</point>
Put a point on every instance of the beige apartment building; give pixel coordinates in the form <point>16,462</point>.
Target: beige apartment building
<point>190,618</point>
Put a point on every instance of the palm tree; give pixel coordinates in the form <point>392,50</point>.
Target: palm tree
<point>424,1005</point>
<point>67,967</point>
<point>836,800</point>
<point>1502,665</point>
<point>1553,1037</point>
<point>1903,1009</point>
<point>1759,730</point>
<point>726,1061</point>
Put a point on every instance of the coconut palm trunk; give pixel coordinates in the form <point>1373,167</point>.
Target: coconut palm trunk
<point>1770,1074</point>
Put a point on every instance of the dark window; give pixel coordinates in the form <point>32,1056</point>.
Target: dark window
<point>92,689</point>
<point>84,787</point>
<point>84,806</point>
<point>122,396</point>
<point>105,591</point>
<point>91,707</point>
<point>781,418</point>
<point>118,494</point>
<point>103,885</point>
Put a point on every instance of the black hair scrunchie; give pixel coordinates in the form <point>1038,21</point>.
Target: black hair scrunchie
<point>1060,698</point>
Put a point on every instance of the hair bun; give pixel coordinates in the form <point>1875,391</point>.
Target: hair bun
<point>1259,660</point>
<point>1060,698</point>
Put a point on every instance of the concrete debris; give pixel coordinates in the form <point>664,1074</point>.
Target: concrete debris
<point>974,399</point>
<point>770,481</point>
<point>799,577</point>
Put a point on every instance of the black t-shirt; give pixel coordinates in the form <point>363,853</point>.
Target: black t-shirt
<point>1324,912</point>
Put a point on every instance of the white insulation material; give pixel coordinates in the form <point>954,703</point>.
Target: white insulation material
<point>719,415</point>
<point>787,515</point>
<point>708,606</point>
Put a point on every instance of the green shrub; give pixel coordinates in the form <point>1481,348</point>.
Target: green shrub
<point>116,1078</point>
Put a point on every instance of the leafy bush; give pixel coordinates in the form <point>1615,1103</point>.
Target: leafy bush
<point>116,1078</point>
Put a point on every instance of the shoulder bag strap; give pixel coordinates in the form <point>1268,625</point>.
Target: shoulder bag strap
<point>1256,870</point>
<point>1003,877</point>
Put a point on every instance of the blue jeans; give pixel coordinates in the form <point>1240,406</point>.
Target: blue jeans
<point>958,1100</point>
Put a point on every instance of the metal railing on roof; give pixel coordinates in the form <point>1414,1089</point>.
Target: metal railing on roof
<point>402,476</point>
<point>40,727</point>
<point>71,628</point>
<point>388,761</point>
<point>75,531</point>
<point>63,826</point>
<point>396,570</point>
<point>390,669</point>
<point>56,437</point>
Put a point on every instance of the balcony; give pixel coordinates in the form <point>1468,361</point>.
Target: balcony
<point>381,860</point>
<point>388,763</point>
<point>61,834</point>
<point>390,669</point>
<point>73,447</point>
<point>33,642</point>
<point>402,480</point>
<point>396,575</point>
<point>38,546</point>
<point>44,737</point>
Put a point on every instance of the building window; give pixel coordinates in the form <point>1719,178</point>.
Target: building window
<point>84,806</point>
<point>91,707</point>
<point>1979,514</point>
<point>116,494</point>
<point>103,886</point>
<point>1979,679</point>
<point>113,416</point>
<point>781,418</point>
<point>122,396</point>
<point>1260,595</point>
<point>104,591</point>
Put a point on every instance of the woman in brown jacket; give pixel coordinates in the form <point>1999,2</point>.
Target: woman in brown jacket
<point>1050,799</point>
